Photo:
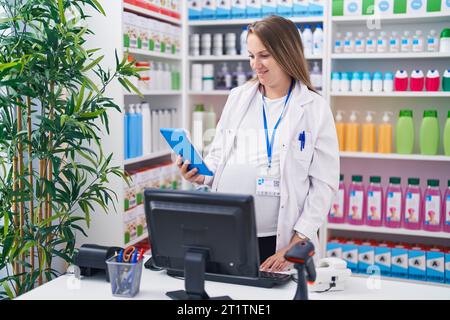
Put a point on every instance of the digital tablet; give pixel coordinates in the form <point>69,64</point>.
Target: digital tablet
<point>179,141</point>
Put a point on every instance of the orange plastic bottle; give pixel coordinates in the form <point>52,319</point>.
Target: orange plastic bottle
<point>385,134</point>
<point>368,134</point>
<point>340,130</point>
<point>352,134</point>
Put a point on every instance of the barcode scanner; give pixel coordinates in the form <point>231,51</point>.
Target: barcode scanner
<point>301,255</point>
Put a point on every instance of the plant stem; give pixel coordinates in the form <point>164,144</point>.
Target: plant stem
<point>40,216</point>
<point>14,211</point>
<point>30,180</point>
<point>21,186</point>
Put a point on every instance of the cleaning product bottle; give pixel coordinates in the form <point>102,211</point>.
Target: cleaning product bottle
<point>132,129</point>
<point>405,45</point>
<point>318,40</point>
<point>388,82</point>
<point>446,135</point>
<point>432,206</point>
<point>446,81</point>
<point>352,133</point>
<point>335,82</point>
<point>429,133</point>
<point>345,82</point>
<point>385,134</point>
<point>404,132</point>
<point>139,131</point>
<point>432,41</point>
<point>366,84</point>
<point>340,130</point>
<point>447,208</point>
<point>382,43</point>
<point>307,38</point>
<point>355,213</point>
<point>337,212</point>
<point>243,41</point>
<point>368,134</point>
<point>360,43</point>
<point>394,203</point>
<point>413,205</point>
<point>316,76</point>
<point>146,130</point>
<point>126,121</point>
<point>355,83</point>
<point>417,81</point>
<point>432,80</point>
<point>417,44</point>
<point>394,43</point>
<point>401,80</point>
<point>338,45</point>
<point>371,43</point>
<point>374,207</point>
<point>377,83</point>
<point>349,43</point>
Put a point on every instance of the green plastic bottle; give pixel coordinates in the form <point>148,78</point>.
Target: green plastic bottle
<point>404,132</point>
<point>429,133</point>
<point>447,135</point>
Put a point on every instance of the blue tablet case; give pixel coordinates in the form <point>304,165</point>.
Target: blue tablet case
<point>181,145</point>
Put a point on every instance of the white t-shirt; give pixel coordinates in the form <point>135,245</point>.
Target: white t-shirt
<point>248,160</point>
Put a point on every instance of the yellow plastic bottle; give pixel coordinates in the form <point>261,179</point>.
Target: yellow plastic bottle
<point>385,134</point>
<point>352,134</point>
<point>340,130</point>
<point>368,134</point>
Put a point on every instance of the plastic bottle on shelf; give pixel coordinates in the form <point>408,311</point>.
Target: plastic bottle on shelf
<point>340,130</point>
<point>401,80</point>
<point>360,43</point>
<point>371,43</point>
<point>446,81</point>
<point>307,38</point>
<point>374,207</point>
<point>198,126</point>
<point>139,132</point>
<point>352,133</point>
<point>316,76</point>
<point>417,81</point>
<point>206,44</point>
<point>337,211</point>
<point>126,121</point>
<point>243,41</point>
<point>366,83</point>
<point>338,45</point>
<point>404,132</point>
<point>432,41</point>
<point>394,42</point>
<point>318,40</point>
<point>355,214</point>
<point>345,82</point>
<point>382,46</point>
<point>417,43</point>
<point>132,129</point>
<point>444,42</point>
<point>446,135</point>
<point>349,42</point>
<point>218,44</point>
<point>146,129</point>
<point>377,83</point>
<point>405,45</point>
<point>447,208</point>
<point>432,206</point>
<point>368,134</point>
<point>355,83</point>
<point>241,77</point>
<point>432,81</point>
<point>335,82</point>
<point>385,134</point>
<point>413,205</point>
<point>429,133</point>
<point>393,217</point>
<point>388,82</point>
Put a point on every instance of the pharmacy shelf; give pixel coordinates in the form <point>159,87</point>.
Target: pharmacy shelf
<point>378,56</point>
<point>152,14</point>
<point>155,93</point>
<point>396,18</point>
<point>399,94</point>
<point>210,93</point>
<point>152,54</point>
<point>238,22</point>
<point>139,239</point>
<point>237,58</point>
<point>393,156</point>
<point>384,230</point>
<point>150,156</point>
<point>382,277</point>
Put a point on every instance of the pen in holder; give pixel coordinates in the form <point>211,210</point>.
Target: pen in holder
<point>125,277</point>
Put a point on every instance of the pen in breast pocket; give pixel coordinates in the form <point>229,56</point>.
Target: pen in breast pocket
<point>302,139</point>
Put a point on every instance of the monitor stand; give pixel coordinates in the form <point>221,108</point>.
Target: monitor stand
<point>194,278</point>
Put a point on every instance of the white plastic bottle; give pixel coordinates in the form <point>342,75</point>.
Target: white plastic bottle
<point>345,82</point>
<point>307,37</point>
<point>388,82</point>
<point>318,41</point>
<point>371,43</point>
<point>240,74</point>
<point>349,42</point>
<point>432,42</point>
<point>394,42</point>
<point>417,44</point>
<point>377,83</point>
<point>406,42</point>
<point>360,43</point>
<point>382,43</point>
<point>316,76</point>
<point>146,129</point>
<point>338,45</point>
<point>366,83</point>
<point>335,82</point>
<point>243,40</point>
<point>355,83</point>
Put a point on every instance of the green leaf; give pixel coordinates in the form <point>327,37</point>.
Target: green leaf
<point>61,11</point>
<point>80,98</point>
<point>99,7</point>
<point>93,64</point>
<point>135,90</point>
<point>27,246</point>
<point>6,224</point>
<point>8,65</point>
<point>8,290</point>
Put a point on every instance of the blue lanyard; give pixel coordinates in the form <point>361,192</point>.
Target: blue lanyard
<point>269,143</point>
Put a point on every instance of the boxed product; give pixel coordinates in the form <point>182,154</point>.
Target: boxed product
<point>209,9</point>
<point>130,192</point>
<point>254,8</point>
<point>130,30</point>
<point>300,8</point>
<point>445,6</point>
<point>399,261</point>
<point>238,9</point>
<point>284,8</point>
<point>417,263</point>
<point>316,7</point>
<point>194,9</point>
<point>447,265</point>
<point>334,249</point>
<point>384,7</point>
<point>130,225</point>
<point>366,256</point>
<point>435,5</point>
<point>353,8</point>
<point>350,254</point>
<point>140,221</point>
<point>416,7</point>
<point>435,265</point>
<point>383,258</point>
<point>144,32</point>
<point>269,7</point>
<point>223,9</point>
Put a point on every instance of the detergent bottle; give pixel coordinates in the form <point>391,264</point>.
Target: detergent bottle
<point>337,211</point>
<point>404,132</point>
<point>393,217</point>
<point>385,134</point>
<point>352,134</point>
<point>432,206</point>
<point>368,134</point>
<point>355,206</point>
<point>340,130</point>
<point>374,207</point>
<point>413,205</point>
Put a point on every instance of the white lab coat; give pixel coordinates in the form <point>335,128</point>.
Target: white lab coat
<point>309,178</point>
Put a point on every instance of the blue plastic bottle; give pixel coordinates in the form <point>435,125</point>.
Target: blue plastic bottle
<point>140,151</point>
<point>126,119</point>
<point>132,129</point>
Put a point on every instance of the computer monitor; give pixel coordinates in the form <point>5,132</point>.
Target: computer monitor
<point>194,233</point>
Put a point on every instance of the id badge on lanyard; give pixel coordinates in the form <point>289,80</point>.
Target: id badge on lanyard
<point>268,185</point>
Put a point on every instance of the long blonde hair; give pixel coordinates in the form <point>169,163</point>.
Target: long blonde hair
<point>282,39</point>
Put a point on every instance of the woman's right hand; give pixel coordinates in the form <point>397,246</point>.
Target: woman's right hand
<point>191,175</point>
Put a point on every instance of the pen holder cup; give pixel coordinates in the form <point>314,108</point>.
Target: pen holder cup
<point>125,277</point>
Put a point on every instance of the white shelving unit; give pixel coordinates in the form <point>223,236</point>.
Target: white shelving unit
<point>243,22</point>
<point>398,94</point>
<point>394,156</point>
<point>380,56</point>
<point>153,54</point>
